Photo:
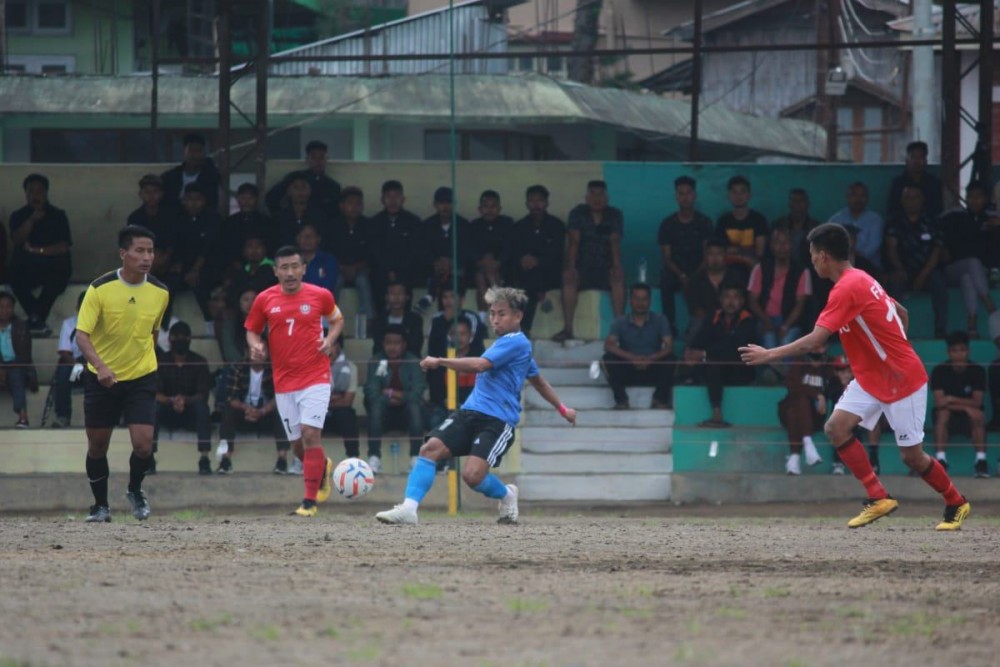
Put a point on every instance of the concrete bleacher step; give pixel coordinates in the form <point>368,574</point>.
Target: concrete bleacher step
<point>570,463</point>
<point>549,352</point>
<point>588,398</point>
<point>579,376</point>
<point>557,440</point>
<point>639,418</point>
<point>625,487</point>
<point>742,406</point>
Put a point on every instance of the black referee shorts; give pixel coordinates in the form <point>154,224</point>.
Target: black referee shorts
<point>467,432</point>
<point>104,407</point>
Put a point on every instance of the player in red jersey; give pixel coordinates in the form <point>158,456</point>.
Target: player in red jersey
<point>889,377</point>
<point>293,313</point>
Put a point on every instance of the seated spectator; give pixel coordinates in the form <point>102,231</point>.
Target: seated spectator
<point>870,226</point>
<point>915,175</point>
<point>682,238</point>
<point>439,242</point>
<point>913,247</point>
<point>182,393</point>
<point>351,244</point>
<point>196,168</point>
<point>341,417</point>
<point>715,350</point>
<point>164,222</point>
<point>703,288</point>
<point>256,271</point>
<point>745,228</point>
<point>250,221</point>
<point>965,238</point>
<point>958,387</point>
<point>300,210</point>
<point>803,408</point>
<point>638,352</point>
<point>991,251</point>
<point>230,333</point>
<point>202,259</point>
<point>837,382</point>
<point>442,334</point>
<point>490,238</point>
<point>324,192</point>
<point>321,267</point>
<point>63,380</point>
<point>798,223</point>
<point>594,257</point>
<point>394,395</point>
<point>250,405</point>
<point>397,256</point>
<point>437,382</point>
<point>398,313</point>
<point>535,255</point>
<point>821,286</point>
<point>994,376</point>
<point>40,236</point>
<point>16,364</point>
<point>779,287</point>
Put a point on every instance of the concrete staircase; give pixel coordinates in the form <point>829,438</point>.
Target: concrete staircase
<point>611,455</point>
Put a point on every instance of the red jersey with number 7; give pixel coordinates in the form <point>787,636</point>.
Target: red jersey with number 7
<point>883,361</point>
<point>295,332</point>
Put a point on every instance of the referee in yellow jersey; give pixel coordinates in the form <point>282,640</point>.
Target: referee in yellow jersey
<point>116,332</point>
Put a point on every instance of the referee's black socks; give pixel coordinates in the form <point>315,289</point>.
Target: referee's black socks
<point>97,475</point>
<point>137,471</point>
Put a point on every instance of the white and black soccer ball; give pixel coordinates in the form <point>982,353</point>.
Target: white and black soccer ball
<point>353,478</point>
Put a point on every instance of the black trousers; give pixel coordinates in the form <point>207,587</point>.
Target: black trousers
<point>622,374</point>
<point>344,422</point>
<point>30,271</point>
<point>232,420</point>
<point>195,416</point>
<point>534,282</point>
<point>718,375</point>
<point>670,285</point>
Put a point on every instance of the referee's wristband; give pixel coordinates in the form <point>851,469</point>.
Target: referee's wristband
<point>562,409</point>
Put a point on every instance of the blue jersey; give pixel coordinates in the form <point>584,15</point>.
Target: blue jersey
<point>498,391</point>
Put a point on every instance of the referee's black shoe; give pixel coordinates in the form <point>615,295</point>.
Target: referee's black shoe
<point>140,506</point>
<point>204,466</point>
<point>99,514</point>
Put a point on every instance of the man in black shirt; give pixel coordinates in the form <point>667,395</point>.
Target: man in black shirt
<point>162,221</point>
<point>40,236</point>
<point>958,387</point>
<point>704,288</point>
<point>682,238</point>
<point>535,253</point>
<point>915,174</point>
<point>249,221</point>
<point>439,237</point>
<point>351,244</point>
<point>397,313</point>
<point>195,169</point>
<point>745,228</point>
<point>798,223</point>
<point>490,236</point>
<point>202,256</point>
<point>299,211</point>
<point>182,394</point>
<point>324,192</point>
<point>397,256</point>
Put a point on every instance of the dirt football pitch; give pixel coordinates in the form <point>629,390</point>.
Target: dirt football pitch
<point>764,585</point>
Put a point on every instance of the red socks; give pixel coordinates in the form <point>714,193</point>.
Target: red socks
<point>937,478</point>
<point>313,467</point>
<point>854,456</point>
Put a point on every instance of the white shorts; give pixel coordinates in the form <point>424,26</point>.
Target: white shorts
<point>306,406</point>
<point>905,416</point>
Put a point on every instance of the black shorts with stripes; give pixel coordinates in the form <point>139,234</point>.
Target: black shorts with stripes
<point>471,433</point>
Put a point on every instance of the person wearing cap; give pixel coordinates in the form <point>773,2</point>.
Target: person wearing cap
<point>196,168</point>
<point>324,192</point>
<point>439,234</point>
<point>183,384</point>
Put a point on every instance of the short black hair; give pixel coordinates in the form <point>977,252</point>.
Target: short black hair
<point>194,138</point>
<point>308,223</point>
<point>597,185</point>
<point>393,283</point>
<point>685,180</point>
<point>298,176</point>
<point>396,329</point>
<point>151,179</point>
<point>641,287</point>
<point>798,191</point>
<point>351,191</point>
<point>832,239</point>
<point>729,284</point>
<point>4,294</point>
<point>536,190</point>
<point>917,146</point>
<point>980,186</point>
<point>738,180</point>
<point>316,145</point>
<point>248,187</point>
<point>287,251</point>
<point>957,337</point>
<point>717,241</point>
<point>858,184</point>
<point>392,186</point>
<point>180,328</point>
<point>35,178</point>
<point>196,189</point>
<point>489,194</point>
<point>131,232</point>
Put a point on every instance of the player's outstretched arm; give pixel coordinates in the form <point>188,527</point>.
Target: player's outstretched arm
<point>463,365</point>
<point>546,391</point>
<point>755,355</point>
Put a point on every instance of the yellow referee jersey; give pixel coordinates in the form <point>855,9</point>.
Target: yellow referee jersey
<point>121,319</point>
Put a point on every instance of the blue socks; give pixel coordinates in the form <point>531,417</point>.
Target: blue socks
<point>421,479</point>
<point>492,487</point>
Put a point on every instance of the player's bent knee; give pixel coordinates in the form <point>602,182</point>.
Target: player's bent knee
<point>435,450</point>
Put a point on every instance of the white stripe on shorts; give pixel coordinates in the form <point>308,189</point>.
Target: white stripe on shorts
<point>500,444</point>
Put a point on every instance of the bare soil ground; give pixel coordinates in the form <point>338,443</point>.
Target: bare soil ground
<point>769,585</point>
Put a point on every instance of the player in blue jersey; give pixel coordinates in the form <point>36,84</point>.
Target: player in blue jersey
<point>483,429</point>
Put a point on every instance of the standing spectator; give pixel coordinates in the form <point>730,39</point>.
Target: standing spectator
<point>535,254</point>
<point>300,210</point>
<point>439,239</point>
<point>913,247</point>
<point>203,259</point>
<point>803,408</point>
<point>594,256</point>
<point>394,395</point>
<point>437,383</point>
<point>441,334</point>
<point>182,393</point>
<point>250,404</point>
<point>351,244</point>
<point>321,267</point>
<point>63,381</point>
<point>341,417</point>
<point>324,192</point>
<point>703,289</point>
<point>958,387</point>
<point>196,168</point>
<point>397,313</point>
<point>779,288</point>
<point>39,234</point>
<point>915,175</point>
<point>682,238</point>
<point>869,224</point>
<point>965,237</point>
<point>715,350</point>
<point>15,358</point>
<point>249,221</point>
<point>745,228</point>
<point>798,223</point>
<point>164,222</point>
<point>638,350</point>
<point>490,239</point>
<point>397,256</point>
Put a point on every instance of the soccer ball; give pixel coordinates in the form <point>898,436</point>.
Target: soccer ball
<point>353,478</point>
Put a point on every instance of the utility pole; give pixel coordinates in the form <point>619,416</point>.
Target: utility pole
<point>695,82</point>
<point>827,12</point>
<point>3,37</point>
<point>925,122</point>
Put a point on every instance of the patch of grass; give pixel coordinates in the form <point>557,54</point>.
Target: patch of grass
<point>636,612</point>
<point>736,592</point>
<point>777,592</point>
<point>189,515</point>
<point>730,612</point>
<point>364,653</point>
<point>922,624</point>
<point>423,591</point>
<point>267,633</point>
<point>212,623</point>
<point>796,663</point>
<point>643,592</point>
<point>693,626</point>
<point>526,605</point>
<point>850,612</point>
<point>329,632</point>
